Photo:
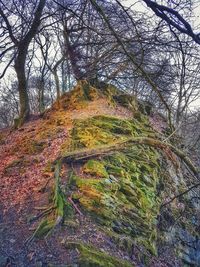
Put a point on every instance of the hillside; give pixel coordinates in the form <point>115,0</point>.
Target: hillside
<point>90,183</point>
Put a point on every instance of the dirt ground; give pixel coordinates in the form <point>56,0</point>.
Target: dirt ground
<point>25,185</point>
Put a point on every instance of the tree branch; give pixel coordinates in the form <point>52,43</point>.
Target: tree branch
<point>36,22</point>
<point>180,195</point>
<point>161,10</point>
<point>132,59</point>
<point>14,40</point>
<point>5,69</point>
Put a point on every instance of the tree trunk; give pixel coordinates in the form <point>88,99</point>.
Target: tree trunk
<point>72,54</point>
<point>22,86</point>
<point>41,96</point>
<point>57,83</point>
<point>20,61</point>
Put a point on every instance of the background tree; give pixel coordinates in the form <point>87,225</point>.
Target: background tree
<point>20,22</point>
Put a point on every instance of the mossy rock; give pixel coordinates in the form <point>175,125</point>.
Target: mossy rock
<point>126,100</point>
<point>78,97</point>
<point>101,130</point>
<point>121,192</point>
<point>123,202</point>
<point>95,168</point>
<point>90,257</point>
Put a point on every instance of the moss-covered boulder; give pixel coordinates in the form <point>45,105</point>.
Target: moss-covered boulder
<point>121,193</point>
<point>78,97</point>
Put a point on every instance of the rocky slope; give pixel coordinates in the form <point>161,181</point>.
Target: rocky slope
<point>91,183</point>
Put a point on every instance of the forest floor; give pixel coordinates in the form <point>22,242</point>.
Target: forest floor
<point>26,181</point>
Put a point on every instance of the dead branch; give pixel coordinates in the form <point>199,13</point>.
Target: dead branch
<point>180,195</point>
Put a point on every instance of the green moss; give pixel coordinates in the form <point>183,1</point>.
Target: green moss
<point>123,242</point>
<point>79,96</point>
<point>121,194</point>
<point>63,208</point>
<point>89,257</point>
<point>96,168</point>
<point>100,130</point>
<point>44,228</point>
<point>126,202</point>
<point>89,193</point>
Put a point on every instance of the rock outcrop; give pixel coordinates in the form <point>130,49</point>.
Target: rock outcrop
<point>115,176</point>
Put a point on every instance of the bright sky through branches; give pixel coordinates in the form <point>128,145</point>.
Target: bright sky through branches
<point>194,20</point>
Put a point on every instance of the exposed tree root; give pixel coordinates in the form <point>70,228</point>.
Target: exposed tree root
<point>75,206</point>
<point>43,213</point>
<point>84,154</point>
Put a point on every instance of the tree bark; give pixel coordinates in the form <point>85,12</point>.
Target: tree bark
<point>20,62</point>
<point>22,84</point>
<point>41,96</point>
<point>57,83</point>
<point>74,56</point>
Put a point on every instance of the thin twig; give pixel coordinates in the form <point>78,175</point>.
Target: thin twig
<point>179,195</point>
<point>43,188</point>
<point>168,137</point>
<point>75,206</point>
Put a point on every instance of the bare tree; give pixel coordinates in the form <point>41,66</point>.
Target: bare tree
<point>18,36</point>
